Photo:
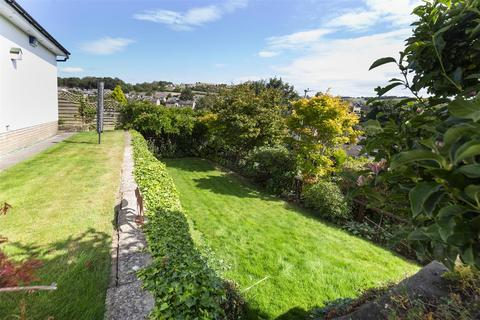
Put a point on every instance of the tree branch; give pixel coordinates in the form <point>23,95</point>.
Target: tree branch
<point>51,287</point>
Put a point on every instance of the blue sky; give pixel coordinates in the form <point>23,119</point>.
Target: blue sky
<point>316,44</point>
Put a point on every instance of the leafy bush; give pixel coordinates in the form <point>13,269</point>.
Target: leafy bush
<point>183,285</point>
<point>367,231</point>
<point>118,95</point>
<point>241,118</point>
<point>347,174</point>
<point>176,132</point>
<point>272,167</point>
<point>444,50</point>
<point>432,146</point>
<point>327,198</point>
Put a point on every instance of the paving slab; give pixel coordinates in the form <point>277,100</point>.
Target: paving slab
<point>126,300</point>
<point>120,306</point>
<point>14,157</point>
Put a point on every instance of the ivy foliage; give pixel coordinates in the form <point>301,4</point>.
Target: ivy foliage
<point>183,285</point>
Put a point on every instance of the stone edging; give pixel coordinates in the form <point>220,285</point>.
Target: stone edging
<point>126,300</point>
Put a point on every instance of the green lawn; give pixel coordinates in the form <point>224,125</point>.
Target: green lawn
<point>307,261</point>
<point>63,206</point>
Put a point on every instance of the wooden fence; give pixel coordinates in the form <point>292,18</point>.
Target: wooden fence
<point>69,118</point>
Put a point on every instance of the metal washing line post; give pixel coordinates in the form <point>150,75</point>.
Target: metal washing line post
<point>100,110</point>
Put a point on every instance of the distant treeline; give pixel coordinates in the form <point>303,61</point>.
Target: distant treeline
<point>110,83</point>
<point>148,87</point>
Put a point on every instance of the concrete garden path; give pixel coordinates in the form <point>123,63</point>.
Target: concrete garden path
<point>12,158</point>
<point>126,300</point>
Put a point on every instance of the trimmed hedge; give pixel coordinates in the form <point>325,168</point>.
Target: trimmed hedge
<point>183,285</point>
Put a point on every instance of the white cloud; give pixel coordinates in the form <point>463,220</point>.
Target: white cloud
<point>233,5</point>
<point>194,17</point>
<point>396,12</point>
<point>267,54</point>
<point>246,78</point>
<point>297,40</point>
<point>342,64</point>
<point>360,19</point>
<point>106,45</point>
<point>321,60</point>
<point>219,65</point>
<point>72,70</point>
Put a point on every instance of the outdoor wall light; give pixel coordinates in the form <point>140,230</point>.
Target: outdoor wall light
<point>33,41</point>
<point>16,54</point>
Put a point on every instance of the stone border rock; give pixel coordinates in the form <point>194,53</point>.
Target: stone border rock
<point>426,284</point>
<point>126,300</point>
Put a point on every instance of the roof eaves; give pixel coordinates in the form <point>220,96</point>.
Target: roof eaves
<point>37,26</point>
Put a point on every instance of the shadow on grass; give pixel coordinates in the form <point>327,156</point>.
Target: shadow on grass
<point>189,164</point>
<point>226,184</point>
<point>79,265</point>
<point>79,142</point>
<point>295,313</point>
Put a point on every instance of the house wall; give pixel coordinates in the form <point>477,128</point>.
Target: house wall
<point>28,90</point>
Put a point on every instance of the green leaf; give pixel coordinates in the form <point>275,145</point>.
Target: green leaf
<point>431,203</point>
<point>467,150</point>
<point>470,170</point>
<point>475,75</point>
<point>372,126</point>
<point>418,235</point>
<point>382,61</point>
<point>453,134</point>
<point>381,91</point>
<point>405,101</point>
<point>468,256</point>
<point>464,109</point>
<point>420,194</point>
<point>164,306</point>
<point>415,156</point>
<point>445,220</point>
<point>473,191</point>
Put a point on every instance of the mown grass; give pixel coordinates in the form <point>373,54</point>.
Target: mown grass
<point>305,261</point>
<point>63,206</point>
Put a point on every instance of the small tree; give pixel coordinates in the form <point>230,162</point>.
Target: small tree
<point>13,273</point>
<point>186,95</point>
<point>119,96</point>
<point>242,119</point>
<point>319,128</point>
<point>86,112</point>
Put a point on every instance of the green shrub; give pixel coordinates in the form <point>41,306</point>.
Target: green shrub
<point>431,145</point>
<point>176,132</point>
<point>367,231</point>
<point>183,285</point>
<point>347,174</point>
<point>327,199</point>
<point>272,167</point>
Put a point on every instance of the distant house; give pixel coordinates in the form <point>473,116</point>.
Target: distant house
<point>28,79</point>
<point>187,103</point>
<point>172,102</point>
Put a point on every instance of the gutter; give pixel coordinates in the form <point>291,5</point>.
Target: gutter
<point>37,26</point>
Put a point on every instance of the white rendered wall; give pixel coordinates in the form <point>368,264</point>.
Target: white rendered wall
<point>28,88</point>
